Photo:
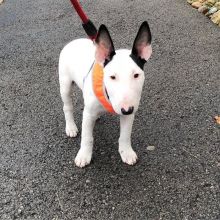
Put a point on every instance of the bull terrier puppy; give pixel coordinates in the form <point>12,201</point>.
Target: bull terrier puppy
<point>121,86</point>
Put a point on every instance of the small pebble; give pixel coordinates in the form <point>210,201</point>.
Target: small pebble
<point>211,11</point>
<point>210,3</point>
<point>20,210</point>
<point>217,5</point>
<point>203,9</point>
<point>216,19</point>
<point>196,4</point>
<point>151,148</point>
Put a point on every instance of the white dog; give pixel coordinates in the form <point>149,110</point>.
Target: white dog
<point>122,82</point>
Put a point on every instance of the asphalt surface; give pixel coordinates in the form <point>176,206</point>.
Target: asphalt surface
<point>178,180</point>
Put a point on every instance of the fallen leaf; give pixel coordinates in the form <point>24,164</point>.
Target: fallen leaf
<point>217,119</point>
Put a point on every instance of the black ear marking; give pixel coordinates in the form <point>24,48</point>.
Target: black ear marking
<point>143,38</point>
<point>104,37</point>
<point>138,60</point>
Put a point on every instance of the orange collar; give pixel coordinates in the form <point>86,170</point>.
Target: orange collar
<point>99,88</point>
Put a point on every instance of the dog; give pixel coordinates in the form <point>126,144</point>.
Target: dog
<point>122,85</point>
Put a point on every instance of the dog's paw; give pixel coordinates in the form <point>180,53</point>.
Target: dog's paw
<point>71,130</point>
<point>83,158</point>
<point>128,156</point>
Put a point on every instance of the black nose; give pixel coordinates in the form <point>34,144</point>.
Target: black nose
<point>128,112</point>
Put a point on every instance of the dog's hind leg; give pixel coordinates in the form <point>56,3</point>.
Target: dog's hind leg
<point>65,91</point>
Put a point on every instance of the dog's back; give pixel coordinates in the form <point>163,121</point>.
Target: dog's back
<point>76,59</point>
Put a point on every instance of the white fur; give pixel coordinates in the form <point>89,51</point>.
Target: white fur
<point>75,61</point>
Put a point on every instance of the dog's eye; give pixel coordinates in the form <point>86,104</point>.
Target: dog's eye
<point>136,75</point>
<point>113,77</point>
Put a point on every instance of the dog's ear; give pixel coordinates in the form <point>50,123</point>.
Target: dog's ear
<point>141,50</point>
<point>104,46</point>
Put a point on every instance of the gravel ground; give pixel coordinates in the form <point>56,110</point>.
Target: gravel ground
<point>178,179</point>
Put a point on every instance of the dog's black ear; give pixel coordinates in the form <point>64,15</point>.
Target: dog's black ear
<point>104,46</point>
<point>141,50</point>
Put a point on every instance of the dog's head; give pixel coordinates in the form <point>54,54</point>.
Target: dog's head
<point>123,69</point>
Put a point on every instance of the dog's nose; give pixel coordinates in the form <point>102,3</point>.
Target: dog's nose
<point>128,112</point>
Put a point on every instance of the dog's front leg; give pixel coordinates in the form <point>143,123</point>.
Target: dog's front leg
<point>127,153</point>
<point>84,155</point>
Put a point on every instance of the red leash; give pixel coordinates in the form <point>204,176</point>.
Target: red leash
<point>88,26</point>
